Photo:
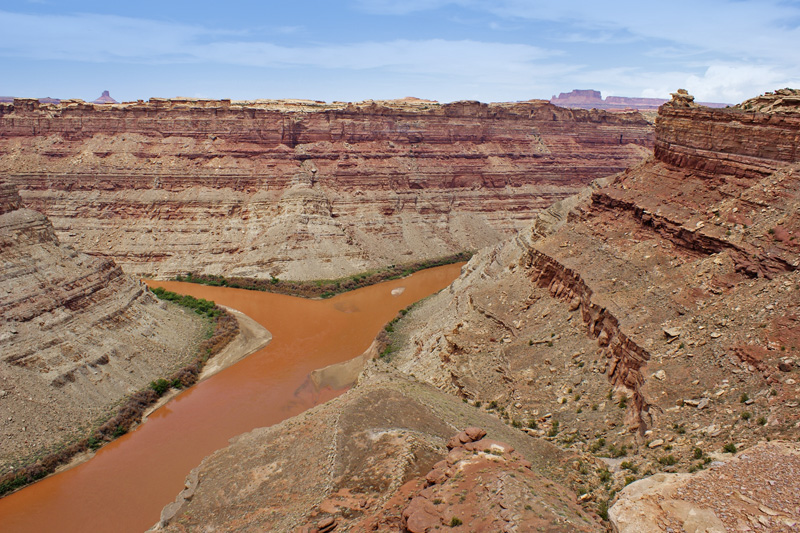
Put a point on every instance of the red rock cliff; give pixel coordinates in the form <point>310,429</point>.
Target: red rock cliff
<point>677,283</point>
<point>248,188</point>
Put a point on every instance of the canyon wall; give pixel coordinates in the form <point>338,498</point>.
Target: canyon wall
<point>76,335</point>
<point>647,324</point>
<point>301,189</point>
<point>645,311</point>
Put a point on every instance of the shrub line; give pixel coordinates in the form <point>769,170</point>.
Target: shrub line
<point>324,288</point>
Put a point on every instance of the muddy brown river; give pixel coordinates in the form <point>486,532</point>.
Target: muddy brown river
<point>127,483</point>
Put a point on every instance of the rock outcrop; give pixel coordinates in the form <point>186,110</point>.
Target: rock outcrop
<point>654,316</point>
<point>76,335</point>
<point>105,98</point>
<point>382,457</point>
<point>756,491</point>
<point>301,189</point>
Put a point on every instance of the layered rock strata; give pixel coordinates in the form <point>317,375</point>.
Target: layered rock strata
<point>655,316</point>
<point>649,324</point>
<point>76,335</point>
<point>298,189</point>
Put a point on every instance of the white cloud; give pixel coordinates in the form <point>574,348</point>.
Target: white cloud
<point>734,83</point>
<point>738,52</point>
<point>101,38</point>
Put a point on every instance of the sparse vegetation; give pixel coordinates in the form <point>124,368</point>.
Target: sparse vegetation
<point>200,306</point>
<point>729,448</point>
<point>744,397</point>
<point>325,288</point>
<point>160,386</point>
<point>602,510</point>
<point>455,522</point>
<point>225,327</point>
<point>616,452</point>
<point>668,460</point>
<point>594,448</point>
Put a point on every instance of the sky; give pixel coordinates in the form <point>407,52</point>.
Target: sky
<point>351,50</point>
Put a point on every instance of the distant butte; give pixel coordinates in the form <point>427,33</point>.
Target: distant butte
<point>105,98</point>
<point>591,99</point>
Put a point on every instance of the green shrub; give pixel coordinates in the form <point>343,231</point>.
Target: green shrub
<point>744,397</point>
<point>200,306</point>
<point>602,510</point>
<point>160,386</point>
<point>455,522</point>
<point>729,448</point>
<point>668,460</point>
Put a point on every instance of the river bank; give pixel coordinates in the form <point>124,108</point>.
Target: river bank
<point>133,408</point>
<point>325,288</point>
<point>128,482</point>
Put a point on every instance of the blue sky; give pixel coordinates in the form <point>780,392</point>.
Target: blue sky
<point>501,50</point>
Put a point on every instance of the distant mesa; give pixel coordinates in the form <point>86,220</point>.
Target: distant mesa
<point>105,98</point>
<point>10,100</point>
<point>591,99</point>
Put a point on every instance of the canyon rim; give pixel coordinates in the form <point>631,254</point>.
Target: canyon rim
<point>624,343</point>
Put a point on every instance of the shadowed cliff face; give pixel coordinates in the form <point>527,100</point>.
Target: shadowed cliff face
<point>76,335</point>
<point>258,189</point>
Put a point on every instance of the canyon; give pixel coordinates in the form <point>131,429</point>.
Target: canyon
<point>301,189</point>
<point>636,333</point>
<point>623,344</point>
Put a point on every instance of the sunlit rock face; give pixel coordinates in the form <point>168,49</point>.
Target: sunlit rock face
<point>76,334</point>
<point>259,188</point>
